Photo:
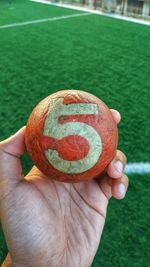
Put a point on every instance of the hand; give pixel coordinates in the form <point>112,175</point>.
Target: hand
<point>48,223</point>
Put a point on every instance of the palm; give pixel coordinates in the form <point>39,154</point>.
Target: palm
<point>61,220</point>
<point>48,223</point>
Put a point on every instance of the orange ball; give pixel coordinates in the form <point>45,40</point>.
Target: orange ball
<point>71,136</point>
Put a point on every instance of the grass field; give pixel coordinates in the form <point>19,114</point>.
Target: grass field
<point>107,57</point>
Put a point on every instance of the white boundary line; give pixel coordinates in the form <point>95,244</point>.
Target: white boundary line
<point>138,168</point>
<point>98,12</point>
<point>42,20</point>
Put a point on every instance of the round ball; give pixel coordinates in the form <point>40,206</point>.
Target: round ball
<point>71,136</point>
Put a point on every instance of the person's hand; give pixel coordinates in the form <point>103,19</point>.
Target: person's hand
<point>48,223</point>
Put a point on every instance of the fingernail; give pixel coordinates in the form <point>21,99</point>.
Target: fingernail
<point>121,189</point>
<point>118,166</point>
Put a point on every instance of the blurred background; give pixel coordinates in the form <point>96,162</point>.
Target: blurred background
<point>107,57</point>
<point>130,8</point>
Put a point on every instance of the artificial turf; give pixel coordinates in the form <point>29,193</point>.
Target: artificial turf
<point>106,57</point>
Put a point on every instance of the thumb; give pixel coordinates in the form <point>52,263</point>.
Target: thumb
<point>11,150</point>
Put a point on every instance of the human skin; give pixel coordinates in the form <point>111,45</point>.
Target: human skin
<point>47,223</point>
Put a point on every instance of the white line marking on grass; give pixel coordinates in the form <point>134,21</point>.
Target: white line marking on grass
<point>138,168</point>
<point>42,20</point>
<point>98,12</point>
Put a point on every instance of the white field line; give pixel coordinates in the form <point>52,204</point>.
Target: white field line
<point>98,12</point>
<point>138,168</point>
<point>42,20</point>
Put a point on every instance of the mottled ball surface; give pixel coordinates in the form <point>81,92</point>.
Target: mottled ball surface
<point>71,136</point>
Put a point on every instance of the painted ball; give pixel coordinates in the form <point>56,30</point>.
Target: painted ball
<point>71,136</point>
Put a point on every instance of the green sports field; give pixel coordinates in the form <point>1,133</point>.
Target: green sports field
<point>107,57</point>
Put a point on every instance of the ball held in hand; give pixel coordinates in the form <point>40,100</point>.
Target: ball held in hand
<point>71,136</point>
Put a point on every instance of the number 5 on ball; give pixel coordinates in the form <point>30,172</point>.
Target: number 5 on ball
<point>71,136</point>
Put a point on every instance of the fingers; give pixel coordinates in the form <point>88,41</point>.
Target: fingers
<point>116,115</point>
<point>119,187</point>
<point>119,183</point>
<point>116,167</point>
<point>114,182</point>
<point>114,187</point>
